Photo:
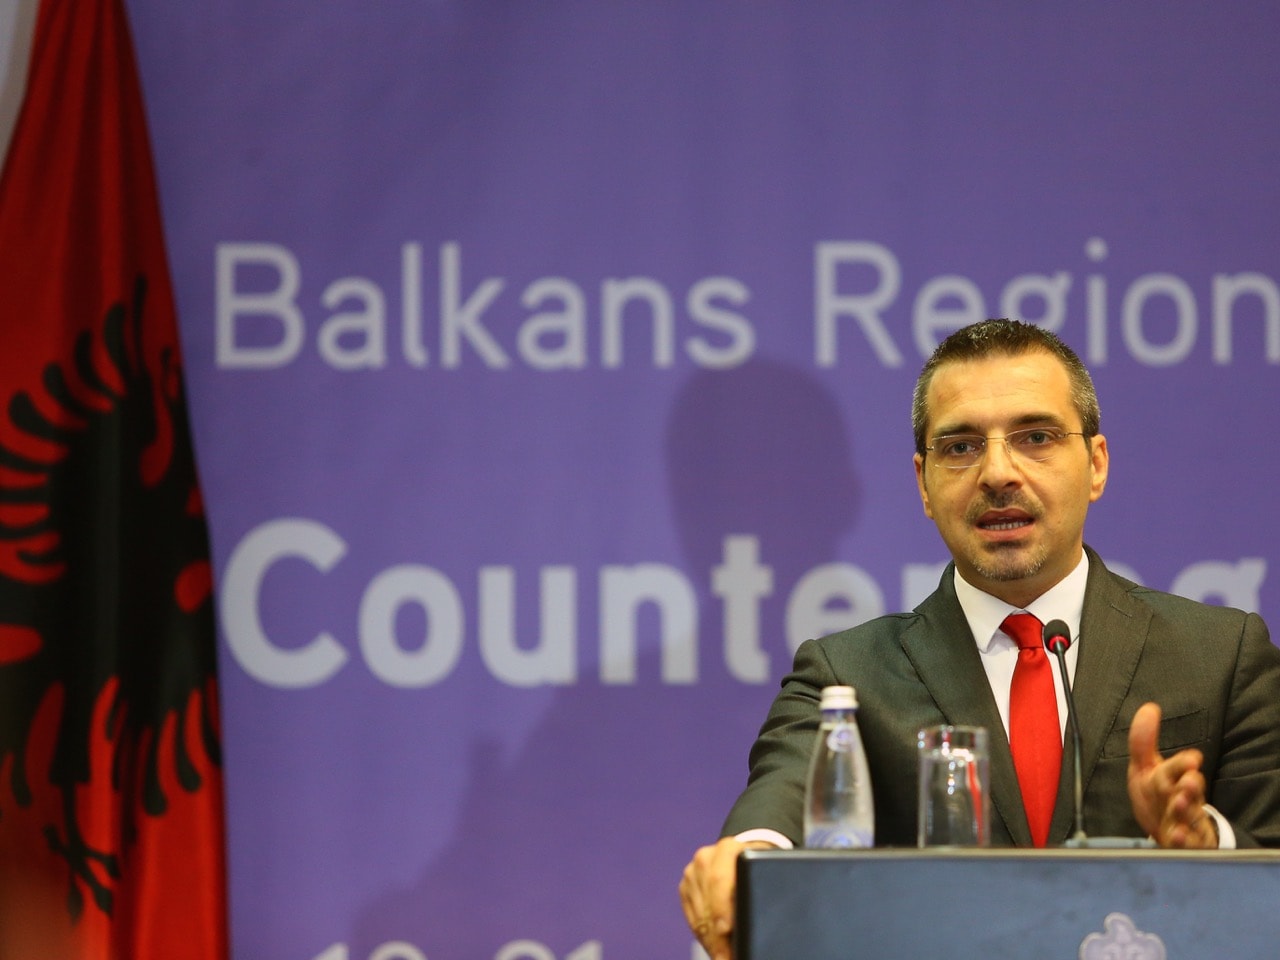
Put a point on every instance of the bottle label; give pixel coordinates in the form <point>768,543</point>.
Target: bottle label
<point>837,838</point>
<point>840,740</point>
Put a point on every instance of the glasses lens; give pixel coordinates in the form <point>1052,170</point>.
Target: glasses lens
<point>959,451</point>
<point>1035,444</point>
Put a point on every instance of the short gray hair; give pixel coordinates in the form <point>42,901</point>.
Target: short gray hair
<point>1004,338</point>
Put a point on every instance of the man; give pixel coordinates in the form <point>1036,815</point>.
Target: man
<point>1008,459</point>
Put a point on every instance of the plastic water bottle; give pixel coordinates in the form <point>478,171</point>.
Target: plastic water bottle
<point>838,810</point>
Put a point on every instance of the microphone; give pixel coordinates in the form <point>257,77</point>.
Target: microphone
<point>1057,638</point>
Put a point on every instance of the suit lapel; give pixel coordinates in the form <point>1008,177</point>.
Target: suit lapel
<point>942,650</point>
<point>1113,631</point>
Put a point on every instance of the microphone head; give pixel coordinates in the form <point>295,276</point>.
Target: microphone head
<point>1056,636</point>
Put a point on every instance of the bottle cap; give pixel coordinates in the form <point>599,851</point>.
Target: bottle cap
<point>839,698</point>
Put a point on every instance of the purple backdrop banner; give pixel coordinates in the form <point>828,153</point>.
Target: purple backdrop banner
<point>550,367</point>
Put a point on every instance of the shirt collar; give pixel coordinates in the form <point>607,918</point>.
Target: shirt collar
<point>1063,601</point>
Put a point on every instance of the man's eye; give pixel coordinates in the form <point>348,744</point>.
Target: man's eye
<point>959,448</point>
<point>1037,438</point>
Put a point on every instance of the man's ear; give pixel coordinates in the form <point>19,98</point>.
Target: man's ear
<point>918,460</point>
<point>1100,462</point>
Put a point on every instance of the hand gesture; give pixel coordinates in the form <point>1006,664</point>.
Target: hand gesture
<point>1167,794</point>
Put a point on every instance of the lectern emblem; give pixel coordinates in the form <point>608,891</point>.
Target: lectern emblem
<point>1121,941</point>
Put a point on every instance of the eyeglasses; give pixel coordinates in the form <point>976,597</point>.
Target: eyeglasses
<point>959,451</point>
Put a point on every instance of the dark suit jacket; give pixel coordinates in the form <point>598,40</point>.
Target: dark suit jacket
<point>1213,670</point>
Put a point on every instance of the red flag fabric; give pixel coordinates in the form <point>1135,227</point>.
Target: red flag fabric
<point>111,815</point>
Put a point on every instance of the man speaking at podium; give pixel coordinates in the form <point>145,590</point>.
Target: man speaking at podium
<point>1178,701</point>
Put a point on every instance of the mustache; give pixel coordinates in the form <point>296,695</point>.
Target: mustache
<point>1002,501</point>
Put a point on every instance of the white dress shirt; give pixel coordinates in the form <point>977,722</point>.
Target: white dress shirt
<point>1064,601</point>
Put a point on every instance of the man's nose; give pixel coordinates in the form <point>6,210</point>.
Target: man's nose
<point>998,466</point>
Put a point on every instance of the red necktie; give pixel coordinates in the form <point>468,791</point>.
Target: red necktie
<point>1034,735</point>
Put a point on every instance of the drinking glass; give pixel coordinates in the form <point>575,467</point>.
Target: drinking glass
<point>955,810</point>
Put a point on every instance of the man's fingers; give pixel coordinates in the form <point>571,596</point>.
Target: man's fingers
<point>1180,786</point>
<point>724,884</point>
<point>1144,734</point>
<point>1168,795</point>
<point>695,891</point>
<point>1186,789</point>
<point>691,898</point>
<point>706,894</point>
<point>1178,774</point>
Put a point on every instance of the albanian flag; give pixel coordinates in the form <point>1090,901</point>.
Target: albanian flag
<point>111,818</point>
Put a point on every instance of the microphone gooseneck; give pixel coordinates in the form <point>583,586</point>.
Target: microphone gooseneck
<point>1057,638</point>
